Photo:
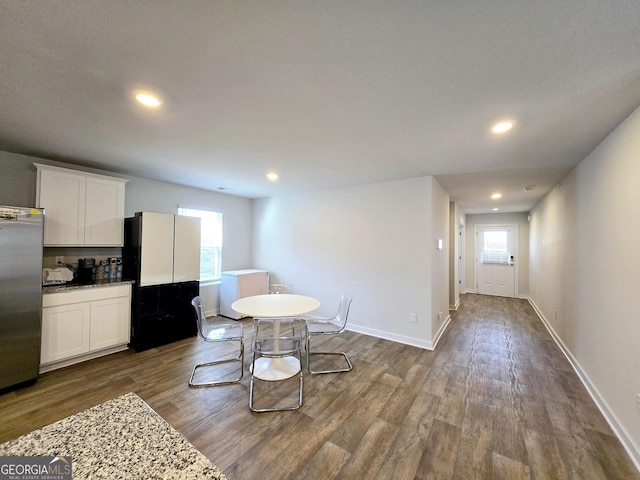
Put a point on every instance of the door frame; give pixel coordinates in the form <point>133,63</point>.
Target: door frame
<point>461,259</point>
<point>477,249</point>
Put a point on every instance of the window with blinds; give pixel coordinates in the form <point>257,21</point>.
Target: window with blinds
<point>210,243</point>
<point>495,247</point>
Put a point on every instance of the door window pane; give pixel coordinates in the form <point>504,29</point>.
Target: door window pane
<point>495,246</point>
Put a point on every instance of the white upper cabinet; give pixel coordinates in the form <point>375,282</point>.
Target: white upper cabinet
<point>169,247</point>
<point>156,259</point>
<point>62,194</point>
<point>104,212</point>
<point>186,249</point>
<point>80,208</point>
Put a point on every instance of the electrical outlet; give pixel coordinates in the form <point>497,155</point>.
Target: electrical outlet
<point>59,260</point>
<point>413,318</point>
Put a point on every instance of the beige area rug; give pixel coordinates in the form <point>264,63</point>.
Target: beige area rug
<point>123,438</point>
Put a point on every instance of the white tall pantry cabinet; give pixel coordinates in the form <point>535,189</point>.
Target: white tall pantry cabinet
<point>236,284</point>
<point>162,255</point>
<point>186,248</point>
<point>169,248</point>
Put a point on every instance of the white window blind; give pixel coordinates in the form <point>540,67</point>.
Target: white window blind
<point>495,247</point>
<point>210,243</point>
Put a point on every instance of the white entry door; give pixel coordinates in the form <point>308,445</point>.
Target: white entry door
<point>495,256</point>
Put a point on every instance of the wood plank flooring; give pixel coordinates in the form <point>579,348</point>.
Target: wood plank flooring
<point>496,400</point>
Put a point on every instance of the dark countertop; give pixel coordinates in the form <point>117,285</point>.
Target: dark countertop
<point>68,287</point>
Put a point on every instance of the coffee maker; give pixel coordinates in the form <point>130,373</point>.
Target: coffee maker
<point>85,270</point>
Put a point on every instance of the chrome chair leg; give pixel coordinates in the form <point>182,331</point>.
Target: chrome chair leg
<point>217,334</point>
<point>239,358</point>
<point>318,372</point>
<point>275,347</point>
<point>275,409</point>
<point>316,326</point>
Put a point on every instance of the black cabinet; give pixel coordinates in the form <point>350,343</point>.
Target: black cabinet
<point>163,314</point>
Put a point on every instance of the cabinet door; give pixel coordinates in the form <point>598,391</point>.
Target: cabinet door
<point>62,195</point>
<point>110,322</point>
<point>156,262</point>
<point>104,214</point>
<point>65,331</point>
<point>186,253</point>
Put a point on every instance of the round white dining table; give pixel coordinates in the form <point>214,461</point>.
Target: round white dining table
<point>275,307</point>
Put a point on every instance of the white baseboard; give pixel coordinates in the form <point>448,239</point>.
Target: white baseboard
<point>441,331</point>
<point>401,338</point>
<point>81,358</point>
<point>390,336</point>
<point>617,427</point>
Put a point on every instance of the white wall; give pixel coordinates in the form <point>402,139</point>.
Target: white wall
<point>374,241</point>
<point>18,183</point>
<point>18,179</point>
<point>439,224</point>
<point>522,259</point>
<point>584,274</point>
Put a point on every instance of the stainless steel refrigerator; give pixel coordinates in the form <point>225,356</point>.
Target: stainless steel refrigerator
<point>21,234</point>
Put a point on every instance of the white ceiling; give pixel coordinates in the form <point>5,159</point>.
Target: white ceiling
<point>328,93</point>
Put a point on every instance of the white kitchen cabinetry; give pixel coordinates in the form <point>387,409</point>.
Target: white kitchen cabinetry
<point>237,284</point>
<point>186,248</point>
<point>82,324</point>
<point>108,327</point>
<point>168,248</point>
<point>80,208</point>
<point>156,248</point>
<point>65,331</point>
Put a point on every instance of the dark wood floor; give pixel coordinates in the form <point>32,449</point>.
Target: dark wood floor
<point>496,400</point>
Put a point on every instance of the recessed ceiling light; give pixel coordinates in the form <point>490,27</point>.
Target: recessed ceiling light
<point>496,196</point>
<point>502,127</point>
<point>495,209</point>
<point>148,99</point>
<point>272,176</point>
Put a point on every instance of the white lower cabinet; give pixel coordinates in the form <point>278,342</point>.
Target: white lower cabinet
<point>107,325</point>
<point>82,324</point>
<point>65,331</point>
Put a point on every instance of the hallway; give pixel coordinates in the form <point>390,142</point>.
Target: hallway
<point>518,402</point>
